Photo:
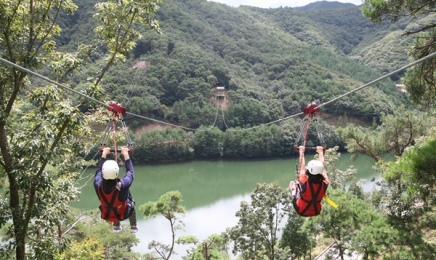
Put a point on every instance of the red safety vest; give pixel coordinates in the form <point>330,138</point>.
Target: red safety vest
<point>112,209</point>
<point>309,203</point>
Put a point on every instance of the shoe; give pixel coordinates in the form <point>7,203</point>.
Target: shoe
<point>117,229</point>
<point>133,229</point>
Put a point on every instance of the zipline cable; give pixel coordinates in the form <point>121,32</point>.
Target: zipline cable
<point>52,81</point>
<point>191,129</point>
<point>84,95</point>
<point>381,78</point>
<point>325,250</point>
<point>345,94</point>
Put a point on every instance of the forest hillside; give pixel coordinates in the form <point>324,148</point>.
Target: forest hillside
<point>270,63</point>
<point>218,83</point>
<point>276,60</point>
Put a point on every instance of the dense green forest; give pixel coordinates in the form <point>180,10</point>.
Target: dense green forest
<point>272,63</point>
<point>163,60</point>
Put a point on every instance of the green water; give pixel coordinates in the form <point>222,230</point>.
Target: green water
<point>204,182</point>
<point>212,192</point>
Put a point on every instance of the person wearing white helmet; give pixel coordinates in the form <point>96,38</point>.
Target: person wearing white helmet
<point>116,201</point>
<point>311,185</point>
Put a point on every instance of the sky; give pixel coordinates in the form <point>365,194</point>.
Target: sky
<point>277,3</point>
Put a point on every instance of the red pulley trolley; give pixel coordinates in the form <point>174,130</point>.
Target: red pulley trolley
<point>117,111</point>
<point>310,116</point>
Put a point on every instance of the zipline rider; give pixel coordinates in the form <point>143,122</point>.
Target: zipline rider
<point>116,201</point>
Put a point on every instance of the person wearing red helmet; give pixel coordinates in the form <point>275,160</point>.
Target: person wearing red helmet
<point>311,185</point>
<point>116,201</point>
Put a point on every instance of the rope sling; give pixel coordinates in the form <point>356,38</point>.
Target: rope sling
<point>117,111</point>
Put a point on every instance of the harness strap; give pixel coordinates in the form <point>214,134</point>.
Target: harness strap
<point>114,138</point>
<point>111,130</point>
<point>303,132</point>
<point>110,204</point>
<point>319,133</point>
<point>314,200</point>
<point>126,134</point>
<point>107,130</point>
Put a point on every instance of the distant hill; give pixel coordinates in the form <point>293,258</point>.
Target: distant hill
<point>272,62</point>
<point>346,31</point>
<point>324,5</point>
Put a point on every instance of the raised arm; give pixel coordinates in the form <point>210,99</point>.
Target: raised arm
<point>125,153</point>
<point>320,151</point>
<point>302,166</point>
<point>127,180</point>
<point>98,173</point>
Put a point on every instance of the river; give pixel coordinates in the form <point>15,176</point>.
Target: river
<point>212,192</point>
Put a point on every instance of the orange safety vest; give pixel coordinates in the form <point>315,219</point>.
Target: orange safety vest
<point>309,203</point>
<point>112,209</point>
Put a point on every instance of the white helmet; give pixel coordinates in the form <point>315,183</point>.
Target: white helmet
<point>110,170</point>
<point>315,167</point>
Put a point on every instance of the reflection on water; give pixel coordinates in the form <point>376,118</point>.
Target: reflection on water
<point>201,222</point>
<point>212,192</point>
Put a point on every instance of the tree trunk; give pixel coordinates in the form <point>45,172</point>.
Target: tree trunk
<point>14,195</point>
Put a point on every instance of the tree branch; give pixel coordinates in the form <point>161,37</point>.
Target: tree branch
<point>49,30</point>
<point>117,48</point>
<point>425,28</point>
<point>41,170</point>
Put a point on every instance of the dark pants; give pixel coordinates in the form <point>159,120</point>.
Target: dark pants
<point>130,214</point>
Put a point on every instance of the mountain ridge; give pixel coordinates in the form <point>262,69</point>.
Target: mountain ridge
<point>323,5</point>
<point>276,60</point>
